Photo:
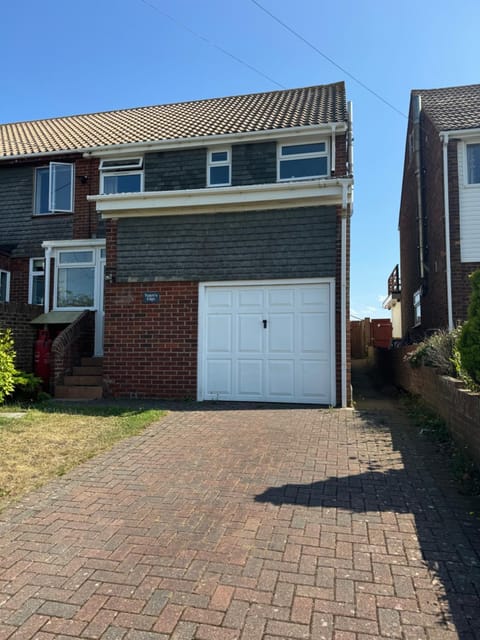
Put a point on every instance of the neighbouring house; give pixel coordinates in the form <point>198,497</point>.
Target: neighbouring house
<point>210,239</point>
<point>440,208</point>
<point>393,302</point>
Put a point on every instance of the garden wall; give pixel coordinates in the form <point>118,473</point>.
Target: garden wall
<point>17,317</point>
<point>446,396</point>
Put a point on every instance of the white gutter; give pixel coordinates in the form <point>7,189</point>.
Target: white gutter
<point>334,151</point>
<point>446,204</point>
<point>48,256</point>
<point>131,148</point>
<point>461,133</point>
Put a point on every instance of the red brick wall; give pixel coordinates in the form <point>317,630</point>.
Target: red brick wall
<point>459,408</point>
<point>150,350</point>
<point>85,220</point>
<point>19,279</point>
<point>17,317</point>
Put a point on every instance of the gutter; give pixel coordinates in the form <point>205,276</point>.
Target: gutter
<point>446,206</point>
<point>417,109</point>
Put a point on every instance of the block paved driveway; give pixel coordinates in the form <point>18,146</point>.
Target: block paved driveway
<point>233,521</point>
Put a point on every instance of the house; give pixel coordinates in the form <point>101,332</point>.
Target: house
<point>440,208</point>
<point>210,240</point>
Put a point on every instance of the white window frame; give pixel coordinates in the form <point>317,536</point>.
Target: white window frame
<point>219,163</point>
<point>417,308</point>
<point>467,184</point>
<point>72,265</point>
<point>7,287</point>
<point>132,166</point>
<point>302,156</point>
<point>32,273</point>
<point>52,171</point>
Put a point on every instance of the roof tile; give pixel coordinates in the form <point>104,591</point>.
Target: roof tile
<point>306,106</point>
<point>452,107</point>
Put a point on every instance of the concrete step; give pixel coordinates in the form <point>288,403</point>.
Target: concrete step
<point>63,392</point>
<point>92,362</point>
<point>83,380</point>
<point>87,371</point>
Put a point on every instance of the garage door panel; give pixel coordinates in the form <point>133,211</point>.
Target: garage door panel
<point>250,336</point>
<point>313,377</point>
<point>250,378</point>
<point>315,296</point>
<point>219,377</point>
<point>314,333</point>
<point>250,298</point>
<point>219,298</point>
<point>281,298</point>
<point>281,379</point>
<point>219,333</point>
<point>281,333</point>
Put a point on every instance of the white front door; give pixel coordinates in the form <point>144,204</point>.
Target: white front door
<point>267,342</point>
<point>79,280</point>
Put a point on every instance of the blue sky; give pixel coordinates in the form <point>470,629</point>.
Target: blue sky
<point>61,57</point>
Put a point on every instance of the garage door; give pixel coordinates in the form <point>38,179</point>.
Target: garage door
<point>270,342</point>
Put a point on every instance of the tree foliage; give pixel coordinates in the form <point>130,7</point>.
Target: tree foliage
<point>469,341</point>
<point>7,364</point>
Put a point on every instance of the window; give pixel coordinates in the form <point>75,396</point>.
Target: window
<point>124,175</point>
<point>54,188</point>
<point>473,163</point>
<point>417,307</point>
<point>36,286</point>
<point>75,279</point>
<point>219,168</point>
<point>304,160</point>
<point>4,286</point>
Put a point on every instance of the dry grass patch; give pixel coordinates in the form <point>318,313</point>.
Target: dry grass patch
<point>49,440</point>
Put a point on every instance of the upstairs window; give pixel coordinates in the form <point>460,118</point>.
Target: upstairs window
<point>36,288</point>
<point>219,168</point>
<point>4,286</point>
<point>54,188</point>
<point>302,161</point>
<point>473,163</point>
<point>123,175</point>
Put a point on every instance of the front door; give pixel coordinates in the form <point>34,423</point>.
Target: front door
<point>79,281</point>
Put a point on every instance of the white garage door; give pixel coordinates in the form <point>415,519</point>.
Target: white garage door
<point>267,342</point>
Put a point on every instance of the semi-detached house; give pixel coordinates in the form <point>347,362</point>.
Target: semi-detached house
<point>209,239</point>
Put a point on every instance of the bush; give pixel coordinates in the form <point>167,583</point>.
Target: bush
<point>7,364</point>
<point>28,387</point>
<point>437,351</point>
<point>469,339</point>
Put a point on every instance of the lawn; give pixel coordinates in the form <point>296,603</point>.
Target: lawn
<point>50,439</point>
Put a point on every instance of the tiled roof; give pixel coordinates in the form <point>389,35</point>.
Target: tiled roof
<point>235,114</point>
<point>452,107</point>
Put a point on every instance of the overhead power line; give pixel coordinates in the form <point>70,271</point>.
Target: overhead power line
<point>326,57</point>
<point>210,43</point>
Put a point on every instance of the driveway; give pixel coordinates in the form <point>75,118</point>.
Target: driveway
<point>231,521</point>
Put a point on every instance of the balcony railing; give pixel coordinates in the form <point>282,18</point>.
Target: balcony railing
<point>394,284</point>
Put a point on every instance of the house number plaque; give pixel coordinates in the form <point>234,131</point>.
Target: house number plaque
<point>151,297</point>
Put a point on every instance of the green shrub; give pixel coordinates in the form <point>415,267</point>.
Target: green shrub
<point>28,387</point>
<point>469,340</point>
<point>7,364</point>
<point>437,351</point>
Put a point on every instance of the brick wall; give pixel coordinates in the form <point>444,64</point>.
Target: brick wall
<point>17,317</point>
<point>151,349</point>
<point>86,219</point>
<point>458,407</point>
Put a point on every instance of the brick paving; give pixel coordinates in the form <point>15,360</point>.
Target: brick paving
<point>238,522</point>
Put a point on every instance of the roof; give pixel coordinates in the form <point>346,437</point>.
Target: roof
<point>452,107</point>
<point>315,105</point>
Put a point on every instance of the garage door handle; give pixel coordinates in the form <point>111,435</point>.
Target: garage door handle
<point>264,324</point>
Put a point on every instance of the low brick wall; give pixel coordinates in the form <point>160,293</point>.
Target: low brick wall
<point>17,317</point>
<point>446,396</point>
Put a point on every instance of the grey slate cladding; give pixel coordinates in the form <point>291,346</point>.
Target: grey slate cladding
<point>254,163</point>
<point>18,226</point>
<point>288,243</point>
<point>174,170</point>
